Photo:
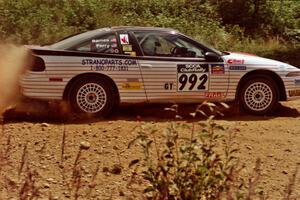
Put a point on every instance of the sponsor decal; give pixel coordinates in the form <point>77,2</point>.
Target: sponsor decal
<point>235,61</point>
<point>297,81</point>
<point>293,93</point>
<point>109,68</point>
<point>214,95</point>
<point>127,47</point>
<point>237,68</point>
<point>108,62</point>
<point>133,54</point>
<point>132,86</point>
<point>217,69</point>
<point>124,39</point>
<point>192,68</point>
<point>192,77</point>
<point>115,45</point>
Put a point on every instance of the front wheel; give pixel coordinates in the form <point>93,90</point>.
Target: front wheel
<point>91,96</point>
<point>259,95</point>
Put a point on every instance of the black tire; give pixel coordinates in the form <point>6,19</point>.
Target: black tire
<point>259,95</point>
<point>91,96</point>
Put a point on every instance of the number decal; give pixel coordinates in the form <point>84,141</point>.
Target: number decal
<point>203,80</point>
<point>192,80</point>
<point>182,80</point>
<point>188,83</point>
<point>192,77</point>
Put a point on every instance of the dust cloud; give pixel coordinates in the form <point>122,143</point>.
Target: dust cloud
<point>14,61</point>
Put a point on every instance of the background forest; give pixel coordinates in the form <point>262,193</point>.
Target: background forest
<point>265,27</point>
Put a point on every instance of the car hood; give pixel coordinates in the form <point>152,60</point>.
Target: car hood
<point>32,47</point>
<point>250,59</point>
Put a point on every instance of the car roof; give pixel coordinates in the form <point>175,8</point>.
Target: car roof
<point>140,28</point>
<point>63,44</point>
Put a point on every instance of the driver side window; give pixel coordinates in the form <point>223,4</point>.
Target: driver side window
<point>166,45</point>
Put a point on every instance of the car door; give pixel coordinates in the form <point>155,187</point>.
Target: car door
<point>174,69</point>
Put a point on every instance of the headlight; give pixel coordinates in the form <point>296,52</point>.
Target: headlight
<point>291,74</point>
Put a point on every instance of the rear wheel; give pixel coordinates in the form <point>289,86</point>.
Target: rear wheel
<point>91,95</point>
<point>259,95</point>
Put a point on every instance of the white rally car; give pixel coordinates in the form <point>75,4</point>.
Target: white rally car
<point>97,70</point>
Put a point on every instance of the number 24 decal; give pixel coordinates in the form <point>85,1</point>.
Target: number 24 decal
<point>192,82</point>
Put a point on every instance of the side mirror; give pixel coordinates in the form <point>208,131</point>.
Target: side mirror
<point>212,57</point>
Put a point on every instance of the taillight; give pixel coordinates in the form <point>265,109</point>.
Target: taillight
<point>38,64</point>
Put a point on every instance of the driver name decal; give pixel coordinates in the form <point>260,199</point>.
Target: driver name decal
<point>192,77</point>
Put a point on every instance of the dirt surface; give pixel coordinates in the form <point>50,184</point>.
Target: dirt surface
<point>88,159</point>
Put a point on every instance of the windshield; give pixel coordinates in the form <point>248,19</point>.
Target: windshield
<point>208,47</point>
<point>215,50</point>
<point>76,39</point>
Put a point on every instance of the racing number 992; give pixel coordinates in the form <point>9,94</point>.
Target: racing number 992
<point>192,82</point>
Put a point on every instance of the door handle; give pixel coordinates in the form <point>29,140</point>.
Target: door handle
<point>146,65</point>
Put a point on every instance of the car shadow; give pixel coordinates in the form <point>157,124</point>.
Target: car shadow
<point>233,113</point>
<point>39,112</point>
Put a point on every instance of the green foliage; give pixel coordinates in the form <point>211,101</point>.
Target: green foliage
<point>224,24</point>
<point>253,15</point>
<point>260,17</point>
<point>195,18</point>
<point>190,168</point>
<point>40,21</point>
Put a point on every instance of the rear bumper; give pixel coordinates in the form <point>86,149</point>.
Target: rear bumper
<point>37,86</point>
